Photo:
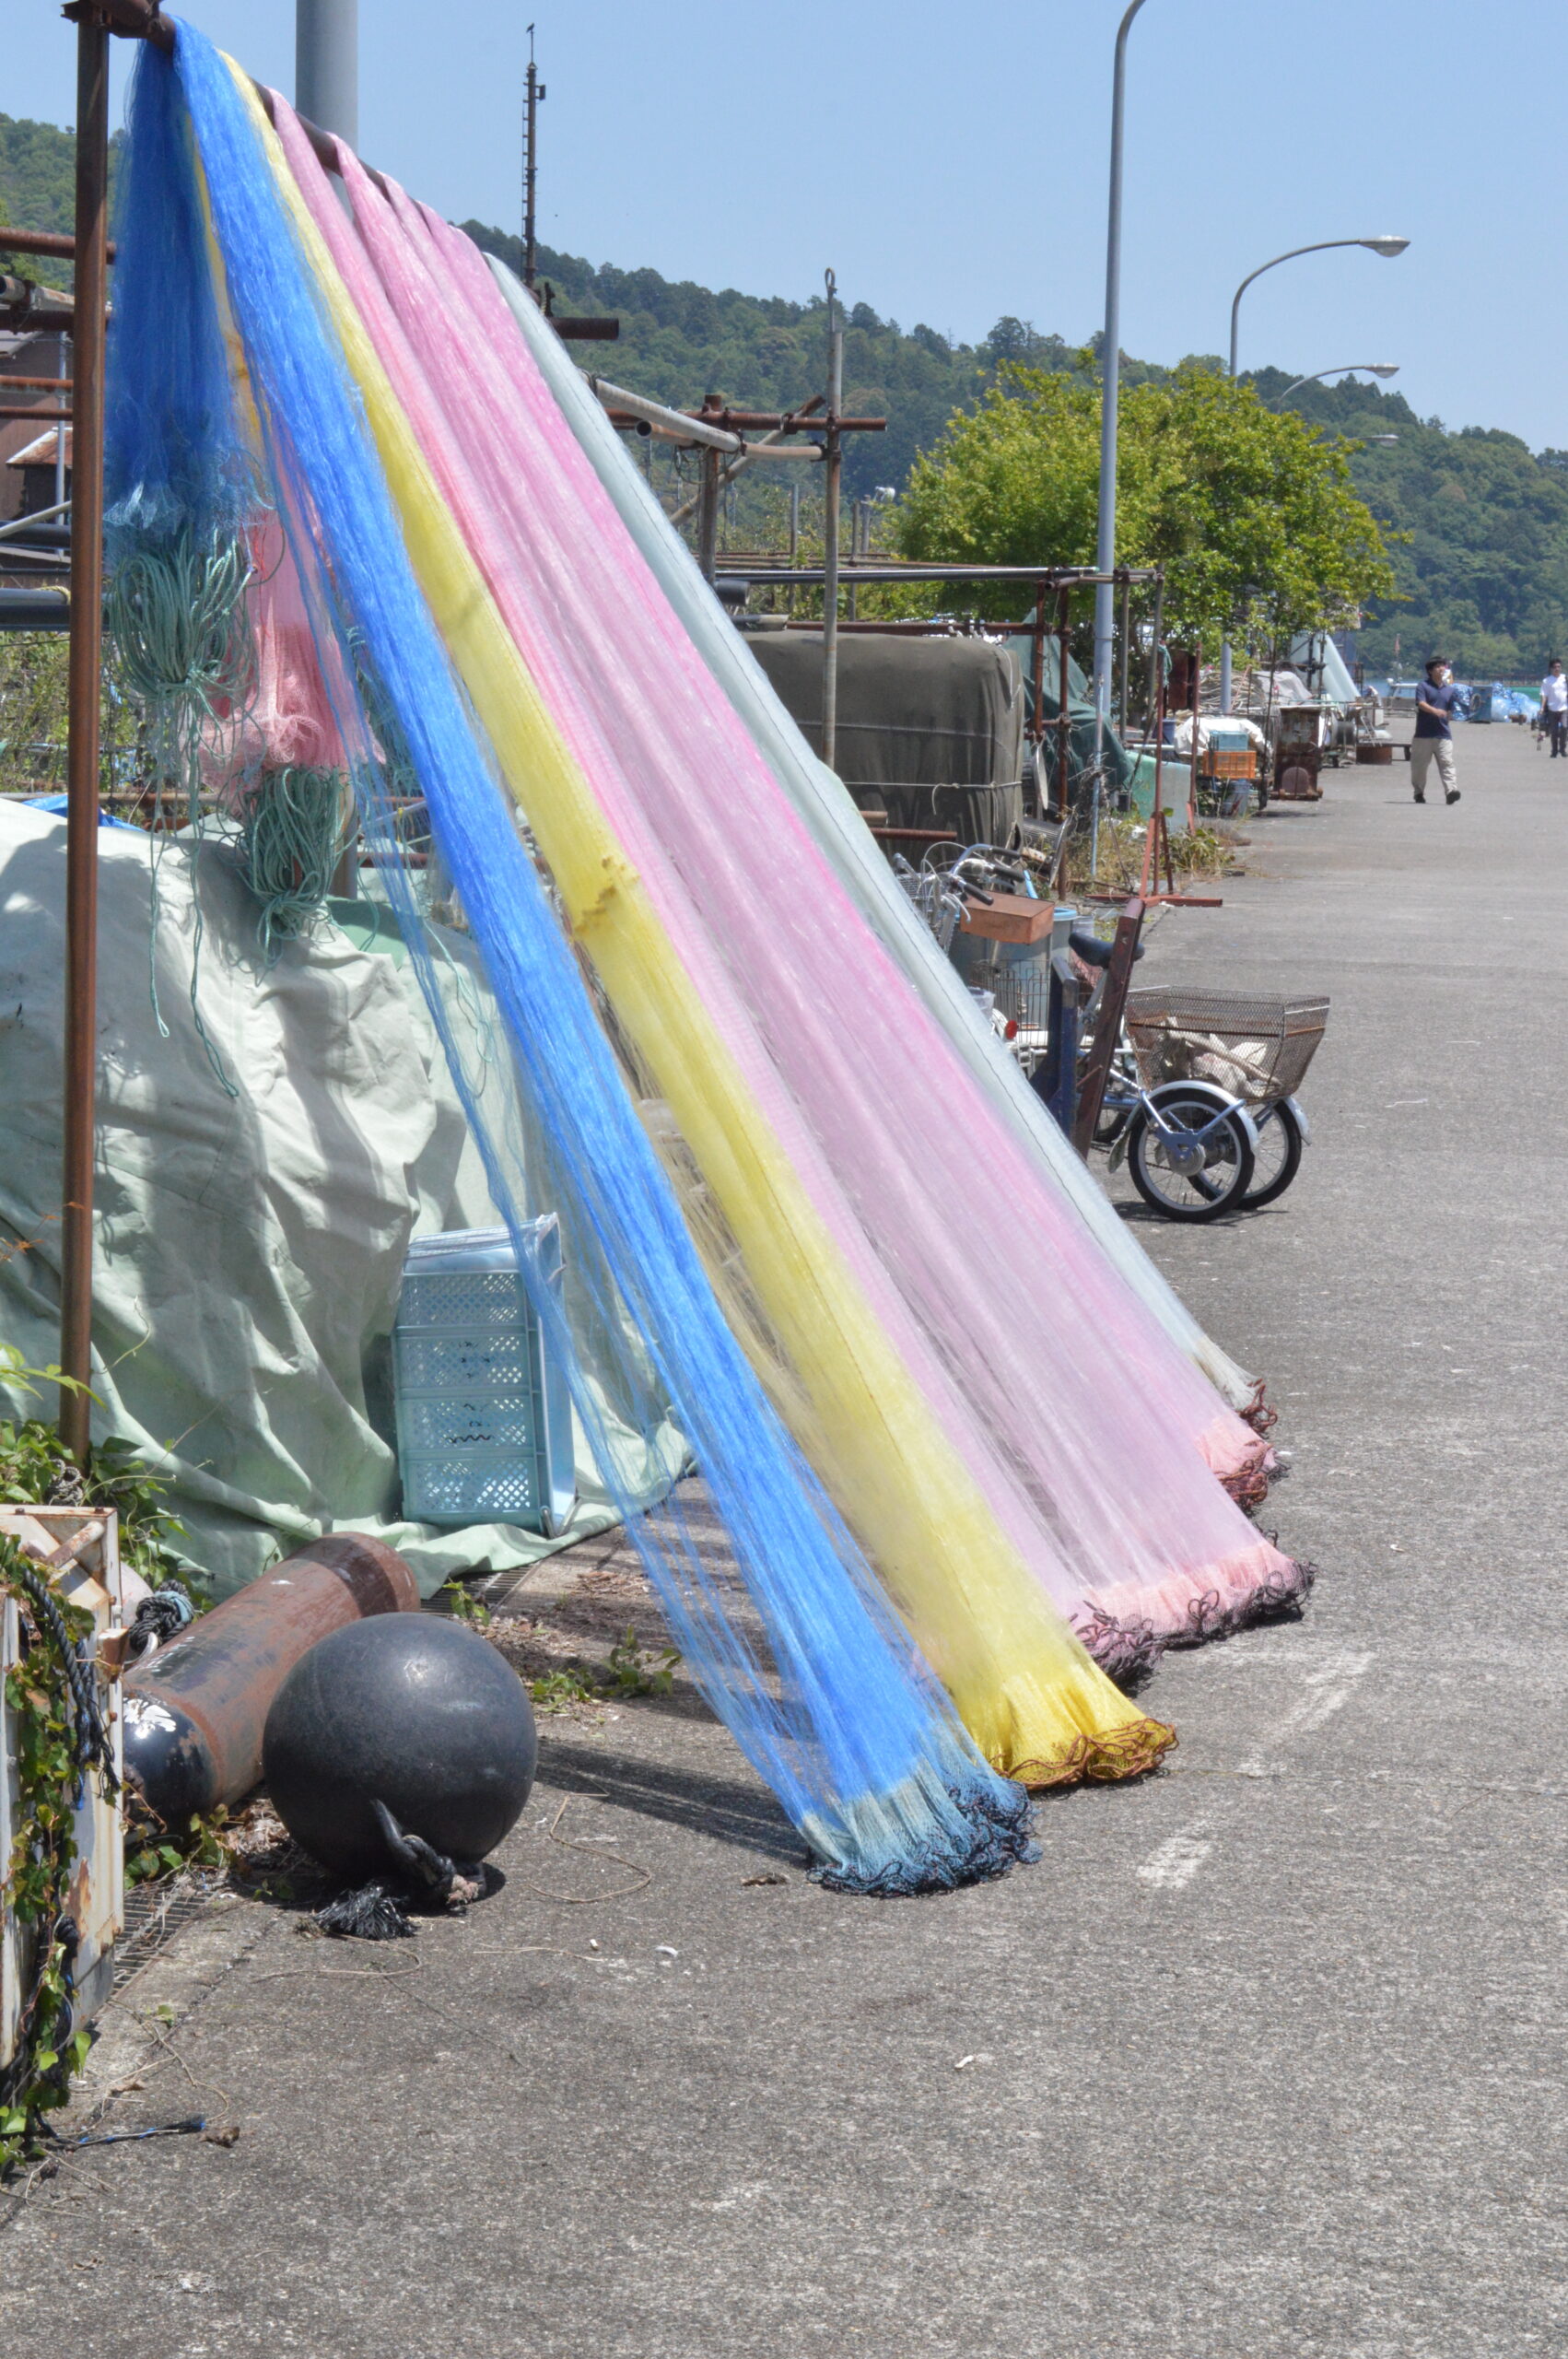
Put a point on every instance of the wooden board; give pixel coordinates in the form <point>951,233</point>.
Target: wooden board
<point>1011,917</point>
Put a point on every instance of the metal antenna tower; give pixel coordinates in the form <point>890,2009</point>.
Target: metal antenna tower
<point>535,89</point>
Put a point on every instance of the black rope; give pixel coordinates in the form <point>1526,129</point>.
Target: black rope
<point>58,1934</point>
<point>91,1746</point>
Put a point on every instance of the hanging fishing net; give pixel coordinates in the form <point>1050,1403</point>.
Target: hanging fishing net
<point>1074,1410</point>
<point>783,1623</point>
<point>861,1406</point>
<point>839,829</point>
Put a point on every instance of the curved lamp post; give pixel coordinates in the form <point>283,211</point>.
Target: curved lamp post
<point>1390,248</point>
<point>1110,378</point>
<point>1351,369</point>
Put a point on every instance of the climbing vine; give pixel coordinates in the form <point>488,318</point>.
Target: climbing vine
<point>57,1736</point>
<point>53,1743</point>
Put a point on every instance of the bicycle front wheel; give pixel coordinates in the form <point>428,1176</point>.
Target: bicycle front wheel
<point>1196,1160</point>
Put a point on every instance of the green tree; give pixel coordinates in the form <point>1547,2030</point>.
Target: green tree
<point>1254,516</point>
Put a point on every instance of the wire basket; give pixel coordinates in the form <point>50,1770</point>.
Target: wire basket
<point>1256,1047</point>
<point>934,898</point>
<point>1021,989</point>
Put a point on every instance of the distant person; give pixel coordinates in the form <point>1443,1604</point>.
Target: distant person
<point>1554,706</point>
<point>1435,701</point>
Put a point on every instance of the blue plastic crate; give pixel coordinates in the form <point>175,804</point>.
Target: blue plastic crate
<point>483,1414</point>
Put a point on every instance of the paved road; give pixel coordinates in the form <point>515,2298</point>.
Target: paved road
<point>1265,2057</point>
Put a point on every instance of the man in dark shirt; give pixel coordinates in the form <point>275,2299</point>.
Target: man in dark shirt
<point>1434,739</point>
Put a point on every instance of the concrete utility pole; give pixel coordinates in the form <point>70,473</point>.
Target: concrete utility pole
<point>1110,379</point>
<point>326,65</point>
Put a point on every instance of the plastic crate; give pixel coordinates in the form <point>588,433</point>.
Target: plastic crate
<point>483,1414</point>
<point>1220,761</point>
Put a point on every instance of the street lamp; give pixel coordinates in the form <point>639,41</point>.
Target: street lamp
<point>1351,369</point>
<point>1110,381</point>
<point>1390,248</point>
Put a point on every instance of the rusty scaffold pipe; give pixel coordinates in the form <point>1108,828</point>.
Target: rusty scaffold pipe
<point>82,736</point>
<point>830,529</point>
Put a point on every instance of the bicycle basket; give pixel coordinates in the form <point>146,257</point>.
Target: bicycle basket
<point>936,901</point>
<point>1256,1047</point>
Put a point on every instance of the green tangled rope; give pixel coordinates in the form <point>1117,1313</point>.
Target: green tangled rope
<point>296,825</point>
<point>176,611</point>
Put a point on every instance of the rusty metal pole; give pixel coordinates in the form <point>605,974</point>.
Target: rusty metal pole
<point>857,550</point>
<point>835,468</point>
<point>61,347</point>
<point>1156,669</point>
<point>1126,654</point>
<point>1108,1026</point>
<point>82,756</point>
<point>1063,722</point>
<point>795,538</point>
<point>1157,695</point>
<point>707,515</point>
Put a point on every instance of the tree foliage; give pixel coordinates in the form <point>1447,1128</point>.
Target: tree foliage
<point>38,189</point>
<point>1254,516</point>
<point>1482,574</point>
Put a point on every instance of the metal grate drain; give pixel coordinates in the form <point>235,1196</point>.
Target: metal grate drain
<point>154,1914</point>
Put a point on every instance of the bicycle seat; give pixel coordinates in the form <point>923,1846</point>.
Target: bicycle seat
<point>1092,951</point>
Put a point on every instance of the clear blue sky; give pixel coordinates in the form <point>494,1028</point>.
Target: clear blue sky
<point>951,162</point>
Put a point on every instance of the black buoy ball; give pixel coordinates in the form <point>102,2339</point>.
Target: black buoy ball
<point>410,1710</point>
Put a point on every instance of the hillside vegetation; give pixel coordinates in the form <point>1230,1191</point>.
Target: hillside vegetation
<point>679,341</point>
<point>1483,573</point>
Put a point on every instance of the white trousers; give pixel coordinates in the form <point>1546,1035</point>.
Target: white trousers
<point>1424,751</point>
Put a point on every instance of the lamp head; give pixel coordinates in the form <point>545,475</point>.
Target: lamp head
<point>1387,247</point>
<point>1384,368</point>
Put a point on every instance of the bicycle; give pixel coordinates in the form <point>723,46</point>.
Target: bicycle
<point>1190,1146</point>
<point>1254,1047</point>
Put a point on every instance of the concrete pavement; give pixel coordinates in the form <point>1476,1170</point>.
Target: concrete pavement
<point>1265,2056</point>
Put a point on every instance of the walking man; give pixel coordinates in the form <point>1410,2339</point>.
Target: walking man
<point>1434,739</point>
<point>1554,706</point>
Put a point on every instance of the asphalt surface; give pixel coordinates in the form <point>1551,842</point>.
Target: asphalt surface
<point>1263,2058</point>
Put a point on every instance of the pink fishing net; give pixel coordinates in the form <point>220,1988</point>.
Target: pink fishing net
<point>287,723</point>
<point>1096,1440</point>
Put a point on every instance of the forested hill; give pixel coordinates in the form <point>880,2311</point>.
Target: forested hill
<point>1484,571</point>
<point>679,341</point>
<point>38,187</point>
